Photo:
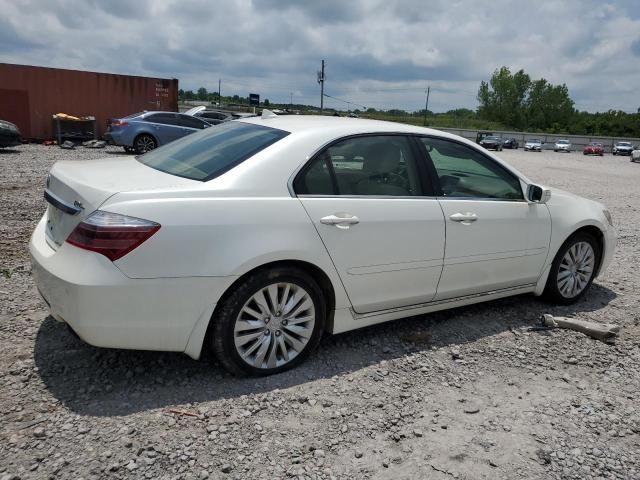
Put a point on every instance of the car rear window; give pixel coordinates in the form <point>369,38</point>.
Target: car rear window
<point>208,154</point>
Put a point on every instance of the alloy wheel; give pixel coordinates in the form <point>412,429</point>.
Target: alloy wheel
<point>576,269</point>
<point>145,144</point>
<point>275,325</point>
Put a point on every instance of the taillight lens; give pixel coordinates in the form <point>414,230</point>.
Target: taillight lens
<point>111,234</point>
<point>119,123</point>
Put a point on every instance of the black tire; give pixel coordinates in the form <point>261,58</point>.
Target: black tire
<point>551,292</point>
<point>144,143</point>
<point>223,321</point>
<point>614,153</point>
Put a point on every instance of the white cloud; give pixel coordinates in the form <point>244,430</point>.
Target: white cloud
<point>379,53</point>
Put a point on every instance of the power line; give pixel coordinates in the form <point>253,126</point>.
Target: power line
<point>345,101</point>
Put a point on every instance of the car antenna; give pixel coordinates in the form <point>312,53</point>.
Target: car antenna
<point>267,114</point>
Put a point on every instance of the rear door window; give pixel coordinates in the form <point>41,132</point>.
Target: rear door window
<point>371,165</point>
<point>207,154</point>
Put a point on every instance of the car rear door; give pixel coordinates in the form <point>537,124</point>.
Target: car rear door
<point>495,238</point>
<point>369,201</point>
<point>166,127</point>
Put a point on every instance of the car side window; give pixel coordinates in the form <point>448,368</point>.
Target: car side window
<point>380,165</point>
<point>191,122</point>
<point>163,118</point>
<point>465,172</point>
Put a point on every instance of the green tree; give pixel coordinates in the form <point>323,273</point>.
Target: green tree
<point>266,102</point>
<point>202,93</point>
<point>502,99</point>
<point>518,102</point>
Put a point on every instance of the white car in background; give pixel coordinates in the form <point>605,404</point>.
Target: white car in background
<point>254,237</point>
<point>622,148</point>
<point>533,145</point>
<point>635,154</point>
<point>562,146</point>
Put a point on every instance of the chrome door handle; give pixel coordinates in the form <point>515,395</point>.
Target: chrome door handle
<point>340,220</point>
<point>465,218</point>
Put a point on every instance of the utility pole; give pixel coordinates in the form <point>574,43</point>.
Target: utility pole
<point>219,97</point>
<point>321,82</point>
<point>291,101</point>
<point>426,105</point>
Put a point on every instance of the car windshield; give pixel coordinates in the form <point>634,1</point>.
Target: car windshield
<point>208,154</point>
<point>535,140</point>
<point>492,138</point>
<point>562,142</point>
<point>624,144</point>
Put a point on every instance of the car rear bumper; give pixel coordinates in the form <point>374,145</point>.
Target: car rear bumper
<point>117,138</point>
<point>9,139</point>
<point>108,309</point>
<point>623,152</point>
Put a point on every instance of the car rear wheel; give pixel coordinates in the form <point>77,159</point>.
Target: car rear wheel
<point>144,143</point>
<point>269,323</point>
<point>573,269</point>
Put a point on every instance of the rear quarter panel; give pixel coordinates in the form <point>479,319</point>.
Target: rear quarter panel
<point>220,237</point>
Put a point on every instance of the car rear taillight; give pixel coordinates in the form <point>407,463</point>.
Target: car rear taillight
<point>119,123</point>
<point>111,234</point>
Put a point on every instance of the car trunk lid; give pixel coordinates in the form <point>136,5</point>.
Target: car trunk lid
<point>76,189</point>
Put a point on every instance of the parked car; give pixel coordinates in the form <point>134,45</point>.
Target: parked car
<point>492,143</point>
<point>482,135</point>
<point>247,238</point>
<point>622,148</point>
<point>214,117</point>
<point>9,134</point>
<point>145,131</point>
<point>562,146</point>
<point>533,144</point>
<point>510,143</point>
<point>594,148</point>
<point>635,154</point>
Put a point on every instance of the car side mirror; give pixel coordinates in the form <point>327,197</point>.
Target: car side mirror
<point>538,194</point>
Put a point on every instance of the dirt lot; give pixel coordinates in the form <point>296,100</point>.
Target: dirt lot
<point>466,394</point>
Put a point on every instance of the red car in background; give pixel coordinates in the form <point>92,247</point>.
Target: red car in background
<point>594,148</point>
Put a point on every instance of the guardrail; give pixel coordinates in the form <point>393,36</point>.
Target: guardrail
<point>548,139</point>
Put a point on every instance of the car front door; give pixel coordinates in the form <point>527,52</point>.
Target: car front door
<point>377,216</point>
<point>190,124</point>
<point>495,238</point>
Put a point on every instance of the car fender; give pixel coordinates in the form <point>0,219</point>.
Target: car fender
<point>570,213</point>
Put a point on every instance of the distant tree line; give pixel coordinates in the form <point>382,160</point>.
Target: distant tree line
<point>511,101</point>
<point>518,102</point>
<point>205,96</point>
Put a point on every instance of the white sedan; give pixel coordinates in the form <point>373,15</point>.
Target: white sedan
<point>254,237</point>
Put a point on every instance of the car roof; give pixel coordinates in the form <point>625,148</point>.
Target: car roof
<point>331,127</point>
<point>341,125</point>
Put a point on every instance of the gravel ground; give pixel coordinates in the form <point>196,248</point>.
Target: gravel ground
<point>469,393</point>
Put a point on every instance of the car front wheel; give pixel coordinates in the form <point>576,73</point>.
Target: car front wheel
<point>269,323</point>
<point>573,269</point>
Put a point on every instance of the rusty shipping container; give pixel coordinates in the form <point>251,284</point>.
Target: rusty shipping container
<point>29,96</point>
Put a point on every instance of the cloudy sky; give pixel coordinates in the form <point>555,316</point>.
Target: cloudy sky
<point>379,53</point>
